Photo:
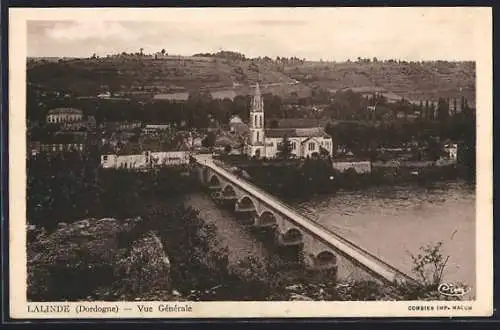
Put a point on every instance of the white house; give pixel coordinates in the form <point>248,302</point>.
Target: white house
<point>452,151</point>
<point>266,142</point>
<point>169,158</point>
<point>235,119</point>
<point>145,159</point>
<point>105,95</point>
<point>123,161</point>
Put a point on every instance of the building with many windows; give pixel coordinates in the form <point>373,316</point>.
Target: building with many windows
<point>61,142</point>
<point>145,159</point>
<point>64,115</point>
<point>305,142</point>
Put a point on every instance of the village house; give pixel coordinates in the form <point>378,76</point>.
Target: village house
<point>88,124</point>
<point>193,141</point>
<point>305,142</point>
<point>64,115</point>
<point>237,126</point>
<point>105,95</point>
<point>451,149</point>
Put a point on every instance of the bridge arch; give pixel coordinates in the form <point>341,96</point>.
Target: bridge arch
<point>228,191</point>
<point>292,236</point>
<point>246,203</point>
<point>214,180</point>
<point>326,259</point>
<point>267,219</point>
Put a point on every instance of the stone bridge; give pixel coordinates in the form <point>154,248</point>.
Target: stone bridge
<point>321,248</point>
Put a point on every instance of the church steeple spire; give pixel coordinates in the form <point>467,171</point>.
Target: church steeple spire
<point>257,89</point>
<point>257,101</point>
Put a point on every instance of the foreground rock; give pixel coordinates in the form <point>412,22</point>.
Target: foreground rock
<point>92,259</point>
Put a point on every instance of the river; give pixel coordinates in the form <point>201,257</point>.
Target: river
<point>389,221</point>
<point>394,221</point>
<point>230,232</point>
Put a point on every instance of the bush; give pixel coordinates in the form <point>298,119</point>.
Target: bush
<point>429,265</point>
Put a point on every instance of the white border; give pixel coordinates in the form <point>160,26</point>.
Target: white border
<point>480,18</point>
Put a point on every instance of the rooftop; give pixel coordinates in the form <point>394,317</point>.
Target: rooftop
<point>298,122</point>
<point>220,95</point>
<point>296,132</point>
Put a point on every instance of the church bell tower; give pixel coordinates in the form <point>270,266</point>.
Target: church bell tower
<point>256,125</point>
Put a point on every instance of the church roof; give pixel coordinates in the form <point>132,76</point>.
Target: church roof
<point>296,132</point>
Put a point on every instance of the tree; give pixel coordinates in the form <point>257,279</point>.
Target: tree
<point>274,124</point>
<point>435,150</point>
<point>209,140</point>
<point>443,110</point>
<point>163,51</point>
<point>324,153</point>
<point>141,51</point>
<point>427,110</point>
<point>285,149</point>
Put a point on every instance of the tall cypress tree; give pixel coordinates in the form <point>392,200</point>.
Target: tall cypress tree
<point>285,149</point>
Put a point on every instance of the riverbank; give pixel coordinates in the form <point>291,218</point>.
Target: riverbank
<point>318,176</point>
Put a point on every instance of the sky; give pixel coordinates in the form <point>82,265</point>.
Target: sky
<point>313,33</point>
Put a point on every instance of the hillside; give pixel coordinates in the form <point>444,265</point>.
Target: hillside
<point>411,80</point>
<point>169,74</point>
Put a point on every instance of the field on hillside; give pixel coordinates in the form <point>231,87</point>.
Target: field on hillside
<point>146,75</point>
<point>414,81</point>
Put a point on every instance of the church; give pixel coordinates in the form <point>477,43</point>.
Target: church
<point>262,142</point>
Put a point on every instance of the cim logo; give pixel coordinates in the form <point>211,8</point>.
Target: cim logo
<point>453,290</point>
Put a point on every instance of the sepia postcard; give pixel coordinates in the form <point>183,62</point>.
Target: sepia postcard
<point>250,162</point>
